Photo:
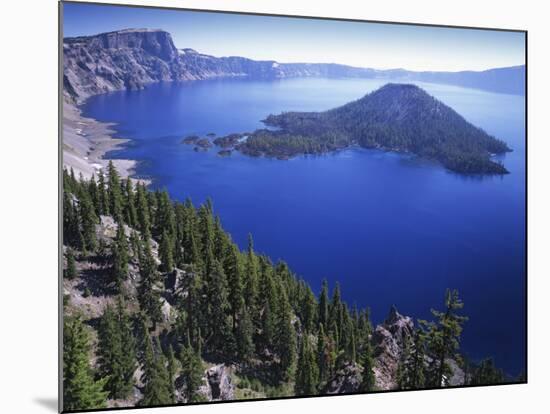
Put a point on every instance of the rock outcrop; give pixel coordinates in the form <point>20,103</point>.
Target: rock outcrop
<point>388,341</point>
<point>126,59</point>
<point>217,385</point>
<point>346,380</point>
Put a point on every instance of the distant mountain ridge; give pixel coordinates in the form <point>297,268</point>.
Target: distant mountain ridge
<point>132,58</point>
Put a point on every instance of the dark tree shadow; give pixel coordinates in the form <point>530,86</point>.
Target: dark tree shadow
<point>48,403</point>
<point>98,281</point>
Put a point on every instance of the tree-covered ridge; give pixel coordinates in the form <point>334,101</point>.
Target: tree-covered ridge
<point>225,306</point>
<point>397,117</point>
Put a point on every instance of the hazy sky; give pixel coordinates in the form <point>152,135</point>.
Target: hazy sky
<point>372,45</point>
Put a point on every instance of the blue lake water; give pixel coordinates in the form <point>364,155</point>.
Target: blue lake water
<point>391,228</point>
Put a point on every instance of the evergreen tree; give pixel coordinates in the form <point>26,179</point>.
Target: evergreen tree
<point>143,217</point>
<point>245,332</point>
<point>155,376</point>
<point>307,307</point>
<point>192,371</point>
<point>114,193</point>
<point>251,278</point>
<point>415,367</point>
<point>336,314</point>
<point>217,309</point>
<point>130,213</point>
<point>269,310</point>
<point>116,351</point>
<point>367,383</point>
<point>80,390</point>
<point>486,373</point>
<point>403,371</point>
<point>102,195</point>
<point>443,336</point>
<point>172,370</point>
<point>94,195</point>
<point>127,360</point>
<point>323,304</point>
<point>285,338</point>
<point>149,296</point>
<point>322,355</point>
<point>120,258</point>
<point>72,236</point>
<point>193,307</point>
<point>88,221</point>
<point>235,283</point>
<point>166,254</point>
<point>70,271</point>
<point>307,374</point>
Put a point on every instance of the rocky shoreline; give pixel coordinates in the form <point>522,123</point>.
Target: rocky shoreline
<point>86,141</point>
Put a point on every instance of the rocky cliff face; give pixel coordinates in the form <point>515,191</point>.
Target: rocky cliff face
<point>131,58</point>
<point>126,59</point>
<point>388,341</point>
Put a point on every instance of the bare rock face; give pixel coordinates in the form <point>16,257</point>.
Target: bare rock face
<point>346,380</point>
<point>388,341</point>
<point>457,376</point>
<point>217,385</point>
<point>132,58</point>
<point>125,59</point>
<point>220,383</point>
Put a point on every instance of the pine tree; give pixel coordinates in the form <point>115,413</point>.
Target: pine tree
<point>193,307</point>
<point>308,307</point>
<point>130,213</point>
<point>94,195</point>
<point>192,371</point>
<point>116,351</point>
<point>322,355</point>
<point>235,283</point>
<point>88,221</point>
<point>114,193</point>
<point>143,217</point>
<point>120,258</point>
<point>206,237</point>
<point>148,295</point>
<point>128,358</point>
<point>403,371</point>
<point>323,304</point>
<point>245,331</point>
<point>336,315</point>
<point>80,390</point>
<point>166,254</point>
<point>155,376</point>
<point>217,309</point>
<point>367,383</point>
<point>285,338</point>
<point>102,195</point>
<point>415,367</point>
<point>486,373</point>
<point>443,336</point>
<point>172,370</point>
<point>307,374</point>
<point>269,310</point>
<point>251,277</point>
<point>72,236</point>
<point>70,271</point>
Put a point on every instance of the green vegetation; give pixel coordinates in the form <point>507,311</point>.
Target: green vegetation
<point>80,389</point>
<point>229,306</point>
<point>396,117</point>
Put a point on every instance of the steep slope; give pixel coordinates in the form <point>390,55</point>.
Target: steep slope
<point>126,59</point>
<point>131,58</point>
<point>398,117</point>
